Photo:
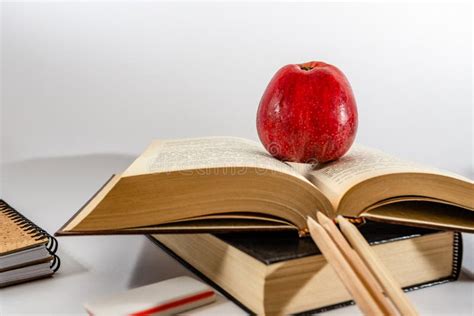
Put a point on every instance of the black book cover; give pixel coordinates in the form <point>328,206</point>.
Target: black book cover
<point>273,247</point>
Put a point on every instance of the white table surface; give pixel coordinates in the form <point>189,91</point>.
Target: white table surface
<point>49,191</point>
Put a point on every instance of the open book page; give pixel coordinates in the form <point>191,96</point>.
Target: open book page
<point>207,153</point>
<point>359,164</point>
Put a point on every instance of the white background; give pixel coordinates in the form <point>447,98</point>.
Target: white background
<point>90,77</point>
<point>86,86</point>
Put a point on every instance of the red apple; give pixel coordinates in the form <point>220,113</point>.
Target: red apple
<point>308,113</point>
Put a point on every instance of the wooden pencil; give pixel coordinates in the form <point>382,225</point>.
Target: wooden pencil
<point>388,283</point>
<point>362,271</point>
<point>343,269</point>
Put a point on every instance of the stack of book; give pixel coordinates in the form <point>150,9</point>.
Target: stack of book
<point>27,252</point>
<point>245,214</point>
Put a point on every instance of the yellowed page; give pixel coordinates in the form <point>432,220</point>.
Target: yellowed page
<point>92,203</point>
<point>359,164</point>
<point>206,154</point>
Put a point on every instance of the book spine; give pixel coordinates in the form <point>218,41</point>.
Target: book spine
<point>33,230</point>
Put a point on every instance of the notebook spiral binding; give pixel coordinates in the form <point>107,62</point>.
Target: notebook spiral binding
<point>33,230</point>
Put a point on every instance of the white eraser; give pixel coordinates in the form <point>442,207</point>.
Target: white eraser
<point>163,298</point>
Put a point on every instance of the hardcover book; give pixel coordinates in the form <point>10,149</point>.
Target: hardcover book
<point>225,183</point>
<point>279,273</point>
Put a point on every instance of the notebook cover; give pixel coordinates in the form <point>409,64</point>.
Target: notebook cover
<point>25,264</point>
<point>262,248</point>
<point>38,277</point>
<point>18,233</point>
<point>14,236</point>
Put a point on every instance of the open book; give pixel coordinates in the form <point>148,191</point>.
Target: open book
<point>226,183</point>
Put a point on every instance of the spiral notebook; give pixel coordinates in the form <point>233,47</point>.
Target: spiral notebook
<point>27,252</point>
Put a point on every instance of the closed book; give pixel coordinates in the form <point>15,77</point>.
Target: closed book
<point>279,273</point>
